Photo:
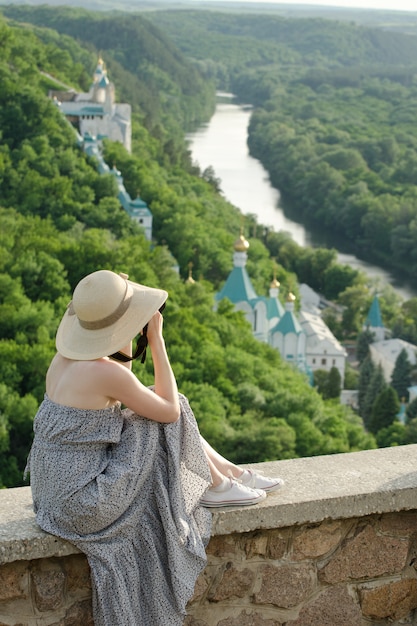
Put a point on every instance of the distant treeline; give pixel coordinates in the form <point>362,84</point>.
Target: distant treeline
<point>335,123</point>
<point>148,70</point>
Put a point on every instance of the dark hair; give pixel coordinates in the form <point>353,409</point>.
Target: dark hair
<point>141,345</point>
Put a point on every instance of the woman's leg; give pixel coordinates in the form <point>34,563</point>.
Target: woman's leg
<point>216,476</point>
<point>222,466</point>
<point>224,490</point>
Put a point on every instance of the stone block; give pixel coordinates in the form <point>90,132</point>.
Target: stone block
<point>223,545</point>
<point>78,575</point>
<point>48,582</point>
<point>233,583</point>
<point>12,581</point>
<point>400,524</point>
<point>256,545</point>
<point>366,555</point>
<point>277,544</point>
<point>310,543</point>
<point>333,607</point>
<point>249,619</point>
<point>392,601</point>
<point>80,613</point>
<point>192,621</point>
<point>285,585</point>
<point>200,588</point>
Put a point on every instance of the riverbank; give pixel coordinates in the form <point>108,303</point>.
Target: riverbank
<point>222,144</point>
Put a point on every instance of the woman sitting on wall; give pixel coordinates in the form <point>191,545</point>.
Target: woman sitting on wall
<point>130,486</point>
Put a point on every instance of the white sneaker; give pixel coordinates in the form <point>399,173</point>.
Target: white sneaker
<point>256,480</point>
<point>232,493</point>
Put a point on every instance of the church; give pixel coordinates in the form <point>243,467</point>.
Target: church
<point>95,116</point>
<point>303,340</point>
<point>96,113</point>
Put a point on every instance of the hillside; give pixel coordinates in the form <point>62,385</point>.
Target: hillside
<point>335,120</point>
<point>148,69</point>
<point>60,220</point>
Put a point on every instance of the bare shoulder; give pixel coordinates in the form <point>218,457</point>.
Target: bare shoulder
<point>86,384</point>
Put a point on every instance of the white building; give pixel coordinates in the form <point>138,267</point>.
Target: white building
<point>94,116</point>
<point>386,352</point>
<point>303,339</point>
<point>288,337</point>
<point>323,350</point>
<point>137,209</point>
<point>310,300</point>
<point>96,112</point>
<point>261,312</point>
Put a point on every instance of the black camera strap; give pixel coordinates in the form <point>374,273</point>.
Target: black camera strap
<point>141,345</point>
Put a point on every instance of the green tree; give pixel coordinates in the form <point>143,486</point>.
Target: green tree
<point>393,435</point>
<point>321,380</point>
<point>365,375</point>
<point>411,410</point>
<point>328,383</point>
<point>410,435</point>
<point>351,378</point>
<point>384,409</point>
<point>401,375</point>
<point>365,338</point>
<point>355,299</point>
<point>334,383</point>
<point>376,385</point>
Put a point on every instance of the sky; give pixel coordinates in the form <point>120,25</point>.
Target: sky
<point>393,5</point>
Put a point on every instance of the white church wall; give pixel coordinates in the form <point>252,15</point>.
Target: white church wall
<point>261,321</point>
<point>326,362</point>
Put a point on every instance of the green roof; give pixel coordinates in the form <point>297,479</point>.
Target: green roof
<point>288,324</point>
<point>374,319</point>
<point>104,81</point>
<point>274,308</point>
<point>238,287</point>
<point>139,203</point>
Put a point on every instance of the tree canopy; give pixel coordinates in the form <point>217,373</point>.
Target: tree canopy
<point>58,223</point>
<point>334,120</point>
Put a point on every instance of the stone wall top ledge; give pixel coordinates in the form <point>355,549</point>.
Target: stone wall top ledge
<point>336,486</point>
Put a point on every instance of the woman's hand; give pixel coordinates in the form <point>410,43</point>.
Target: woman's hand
<point>155,328</point>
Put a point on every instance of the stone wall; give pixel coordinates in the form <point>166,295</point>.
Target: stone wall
<point>338,573</point>
<point>46,592</point>
<point>336,547</point>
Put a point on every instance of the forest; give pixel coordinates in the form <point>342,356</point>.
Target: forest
<point>59,220</point>
<point>334,122</point>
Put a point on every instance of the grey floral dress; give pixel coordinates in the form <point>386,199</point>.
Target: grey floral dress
<point>125,490</point>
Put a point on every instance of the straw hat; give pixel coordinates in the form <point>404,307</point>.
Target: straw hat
<point>105,313</point>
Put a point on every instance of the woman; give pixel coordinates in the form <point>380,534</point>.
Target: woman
<point>126,486</point>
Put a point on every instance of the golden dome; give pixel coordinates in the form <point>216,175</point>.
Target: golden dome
<point>190,280</point>
<point>275,284</point>
<point>241,244</point>
<point>291,297</point>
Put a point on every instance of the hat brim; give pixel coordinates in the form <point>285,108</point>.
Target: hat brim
<point>81,344</point>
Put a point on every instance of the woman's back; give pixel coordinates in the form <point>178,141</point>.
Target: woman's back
<point>79,383</point>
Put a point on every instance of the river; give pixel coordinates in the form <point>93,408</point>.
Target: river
<point>222,144</point>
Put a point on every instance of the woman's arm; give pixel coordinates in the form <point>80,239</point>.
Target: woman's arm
<point>165,383</point>
<point>162,404</point>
